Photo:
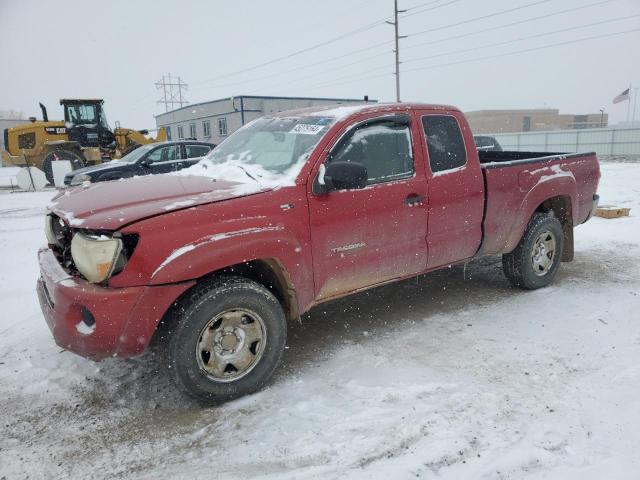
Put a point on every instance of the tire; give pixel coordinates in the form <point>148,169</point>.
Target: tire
<point>225,316</point>
<point>535,261</point>
<point>76,161</point>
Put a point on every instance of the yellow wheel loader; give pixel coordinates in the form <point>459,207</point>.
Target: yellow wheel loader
<point>83,138</point>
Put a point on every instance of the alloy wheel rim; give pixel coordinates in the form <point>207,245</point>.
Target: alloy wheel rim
<point>543,253</point>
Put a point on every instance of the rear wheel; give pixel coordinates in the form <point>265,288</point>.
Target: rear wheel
<point>535,261</point>
<point>76,159</point>
<point>228,340</point>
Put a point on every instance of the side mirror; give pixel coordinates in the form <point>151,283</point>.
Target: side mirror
<point>340,176</point>
<point>145,162</point>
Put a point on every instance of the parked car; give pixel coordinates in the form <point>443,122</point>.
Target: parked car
<point>144,160</point>
<point>487,143</point>
<point>307,206</point>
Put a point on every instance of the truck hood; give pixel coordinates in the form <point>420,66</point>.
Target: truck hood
<point>111,205</point>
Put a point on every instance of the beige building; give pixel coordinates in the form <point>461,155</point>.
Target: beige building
<point>509,121</point>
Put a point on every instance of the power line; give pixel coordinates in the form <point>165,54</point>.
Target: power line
<point>356,31</point>
<point>440,65</point>
<point>428,9</point>
<point>505,25</point>
<point>462,50</point>
<point>309,65</point>
<point>568,42</point>
<point>537,35</point>
<point>475,19</point>
<point>299,52</point>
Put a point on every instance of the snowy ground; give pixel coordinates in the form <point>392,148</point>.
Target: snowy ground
<point>453,375</point>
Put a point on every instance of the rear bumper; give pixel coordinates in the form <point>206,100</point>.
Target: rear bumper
<point>594,207</point>
<point>96,321</point>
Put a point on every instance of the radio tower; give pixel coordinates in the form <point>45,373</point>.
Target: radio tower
<point>172,88</point>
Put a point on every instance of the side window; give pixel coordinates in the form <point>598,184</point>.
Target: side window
<point>383,148</point>
<point>165,154</point>
<point>194,151</point>
<point>444,142</point>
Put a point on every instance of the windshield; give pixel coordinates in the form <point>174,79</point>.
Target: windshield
<point>82,113</point>
<point>269,150</point>
<point>138,153</point>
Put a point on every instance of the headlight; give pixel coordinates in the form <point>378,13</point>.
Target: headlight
<point>80,179</point>
<point>95,256</point>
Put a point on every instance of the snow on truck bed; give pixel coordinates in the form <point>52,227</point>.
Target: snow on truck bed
<point>453,375</point>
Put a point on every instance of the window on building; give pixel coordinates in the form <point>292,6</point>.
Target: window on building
<point>384,148</point>
<point>526,124</point>
<point>444,142</point>
<point>206,127</point>
<point>168,133</point>
<point>222,126</point>
<point>192,130</point>
<point>180,131</point>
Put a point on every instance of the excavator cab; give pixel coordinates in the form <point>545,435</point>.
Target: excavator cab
<point>87,124</point>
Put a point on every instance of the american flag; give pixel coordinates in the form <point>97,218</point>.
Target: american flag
<point>622,97</point>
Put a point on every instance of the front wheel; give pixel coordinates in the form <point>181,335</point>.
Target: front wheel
<point>228,340</point>
<point>535,261</point>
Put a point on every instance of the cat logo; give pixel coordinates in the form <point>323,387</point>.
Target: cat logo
<point>55,130</point>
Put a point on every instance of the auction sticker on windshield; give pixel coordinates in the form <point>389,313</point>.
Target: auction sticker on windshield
<point>307,129</point>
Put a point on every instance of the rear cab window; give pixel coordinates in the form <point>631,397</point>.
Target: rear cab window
<point>445,144</point>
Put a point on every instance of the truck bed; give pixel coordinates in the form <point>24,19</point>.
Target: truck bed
<point>495,159</point>
<point>516,183</point>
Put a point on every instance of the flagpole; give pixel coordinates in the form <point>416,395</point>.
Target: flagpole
<point>635,104</point>
<point>629,103</point>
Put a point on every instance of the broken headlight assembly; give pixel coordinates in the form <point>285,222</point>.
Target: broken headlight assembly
<point>98,256</point>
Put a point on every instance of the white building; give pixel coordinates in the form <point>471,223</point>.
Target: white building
<point>212,121</point>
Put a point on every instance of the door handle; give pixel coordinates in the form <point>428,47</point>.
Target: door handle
<point>414,199</point>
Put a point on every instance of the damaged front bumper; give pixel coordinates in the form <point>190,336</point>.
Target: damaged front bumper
<point>96,321</point>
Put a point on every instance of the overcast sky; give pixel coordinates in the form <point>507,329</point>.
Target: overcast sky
<point>117,50</point>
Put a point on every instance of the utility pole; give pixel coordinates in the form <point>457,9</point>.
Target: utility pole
<point>172,92</point>
<point>601,117</point>
<point>397,42</point>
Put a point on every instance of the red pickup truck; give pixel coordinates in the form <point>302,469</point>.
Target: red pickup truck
<point>294,209</point>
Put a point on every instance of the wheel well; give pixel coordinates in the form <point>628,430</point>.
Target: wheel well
<point>561,208</point>
<point>268,272</point>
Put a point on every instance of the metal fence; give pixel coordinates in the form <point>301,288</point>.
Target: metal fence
<point>603,141</point>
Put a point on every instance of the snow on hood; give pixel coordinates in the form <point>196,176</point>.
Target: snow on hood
<point>248,176</point>
<point>110,205</point>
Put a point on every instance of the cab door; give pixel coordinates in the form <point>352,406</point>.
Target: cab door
<point>456,188</point>
<point>366,236</point>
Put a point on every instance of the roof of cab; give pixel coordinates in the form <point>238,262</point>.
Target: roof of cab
<point>341,112</point>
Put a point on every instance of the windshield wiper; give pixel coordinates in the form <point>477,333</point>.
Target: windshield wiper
<point>248,174</point>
